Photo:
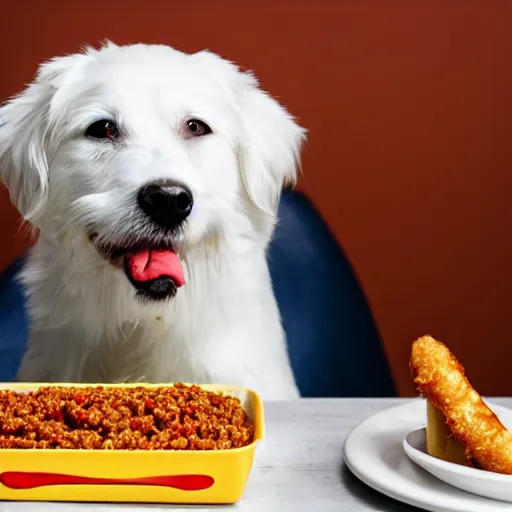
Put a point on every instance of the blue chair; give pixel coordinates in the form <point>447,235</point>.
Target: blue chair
<point>334,345</point>
<point>13,322</point>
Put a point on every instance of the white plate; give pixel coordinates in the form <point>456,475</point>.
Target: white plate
<point>374,452</point>
<point>476,481</point>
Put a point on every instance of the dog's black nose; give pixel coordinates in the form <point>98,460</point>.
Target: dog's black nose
<point>168,204</point>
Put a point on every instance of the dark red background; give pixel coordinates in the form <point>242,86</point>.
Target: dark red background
<point>409,159</point>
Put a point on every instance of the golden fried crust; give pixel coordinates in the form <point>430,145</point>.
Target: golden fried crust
<point>440,378</point>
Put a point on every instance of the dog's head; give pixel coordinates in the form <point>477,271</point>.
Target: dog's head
<point>148,152</point>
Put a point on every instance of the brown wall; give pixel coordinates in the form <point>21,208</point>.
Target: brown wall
<point>409,107</point>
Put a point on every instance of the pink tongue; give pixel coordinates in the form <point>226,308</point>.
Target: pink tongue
<point>147,265</point>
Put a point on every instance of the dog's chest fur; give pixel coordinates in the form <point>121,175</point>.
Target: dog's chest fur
<point>223,326</point>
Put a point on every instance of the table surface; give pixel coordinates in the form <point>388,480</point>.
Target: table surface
<point>301,468</point>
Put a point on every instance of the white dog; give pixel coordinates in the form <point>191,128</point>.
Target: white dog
<point>153,177</point>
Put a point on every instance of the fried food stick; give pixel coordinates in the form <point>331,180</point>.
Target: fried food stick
<point>440,378</point>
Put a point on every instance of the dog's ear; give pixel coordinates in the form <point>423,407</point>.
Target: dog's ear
<point>270,151</point>
<point>24,132</point>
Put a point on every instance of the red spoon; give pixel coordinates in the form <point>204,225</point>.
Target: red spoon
<point>27,480</point>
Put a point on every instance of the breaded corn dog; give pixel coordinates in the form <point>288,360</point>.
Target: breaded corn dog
<point>440,378</point>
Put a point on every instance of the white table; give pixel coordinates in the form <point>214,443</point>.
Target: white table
<point>300,470</point>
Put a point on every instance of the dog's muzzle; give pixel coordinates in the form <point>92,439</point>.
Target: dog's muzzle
<point>153,268</point>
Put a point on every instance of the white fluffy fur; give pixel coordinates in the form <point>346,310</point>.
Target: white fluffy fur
<point>86,323</point>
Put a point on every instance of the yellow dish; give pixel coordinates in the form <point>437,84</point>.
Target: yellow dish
<point>139,476</point>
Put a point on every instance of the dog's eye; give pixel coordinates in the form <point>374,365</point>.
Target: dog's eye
<point>197,128</point>
<point>103,129</point>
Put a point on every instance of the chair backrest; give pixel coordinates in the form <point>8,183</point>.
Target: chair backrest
<point>13,322</point>
<point>334,344</point>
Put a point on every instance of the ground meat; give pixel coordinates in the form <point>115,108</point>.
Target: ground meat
<point>177,417</point>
